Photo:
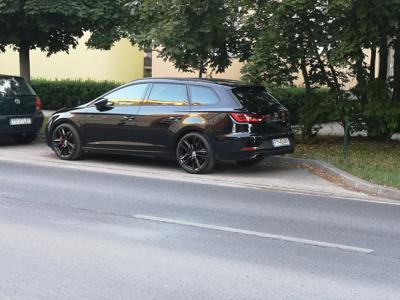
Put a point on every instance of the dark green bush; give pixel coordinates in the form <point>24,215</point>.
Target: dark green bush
<point>292,98</point>
<point>56,94</point>
<point>308,111</point>
<point>380,113</point>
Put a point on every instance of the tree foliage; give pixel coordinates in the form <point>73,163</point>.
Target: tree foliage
<point>54,26</point>
<point>192,34</point>
<point>331,44</point>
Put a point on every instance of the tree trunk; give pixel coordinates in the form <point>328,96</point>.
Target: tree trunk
<point>372,64</point>
<point>361,78</point>
<point>328,81</point>
<point>361,75</point>
<point>24,61</point>
<point>383,59</point>
<point>334,76</point>
<point>305,76</point>
<point>306,127</point>
<point>396,81</point>
<point>201,69</point>
<point>201,72</point>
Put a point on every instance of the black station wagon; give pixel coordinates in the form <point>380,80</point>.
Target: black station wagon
<point>20,109</point>
<point>199,121</point>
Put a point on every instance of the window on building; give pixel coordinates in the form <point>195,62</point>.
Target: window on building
<point>148,64</point>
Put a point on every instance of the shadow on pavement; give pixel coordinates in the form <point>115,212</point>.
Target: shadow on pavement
<point>38,148</point>
<point>223,167</point>
<point>7,141</point>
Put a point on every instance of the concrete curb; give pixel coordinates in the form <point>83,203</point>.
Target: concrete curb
<point>336,175</point>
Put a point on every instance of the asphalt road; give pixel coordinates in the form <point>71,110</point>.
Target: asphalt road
<point>75,234</point>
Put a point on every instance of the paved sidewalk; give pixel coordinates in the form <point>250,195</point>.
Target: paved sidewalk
<point>227,174</point>
<point>48,113</point>
<point>335,129</point>
<point>338,176</point>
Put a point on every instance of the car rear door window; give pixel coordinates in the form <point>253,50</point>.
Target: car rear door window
<point>128,95</point>
<point>168,94</point>
<point>254,96</point>
<point>201,95</point>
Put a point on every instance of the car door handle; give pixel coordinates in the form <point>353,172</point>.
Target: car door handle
<point>129,118</point>
<point>170,120</point>
<point>174,119</point>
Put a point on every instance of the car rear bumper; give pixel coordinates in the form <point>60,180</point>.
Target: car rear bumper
<point>7,129</point>
<point>245,146</point>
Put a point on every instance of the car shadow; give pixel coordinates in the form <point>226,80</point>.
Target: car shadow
<point>169,164</point>
<point>7,141</point>
<point>157,163</point>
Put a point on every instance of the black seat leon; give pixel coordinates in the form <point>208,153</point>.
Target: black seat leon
<point>198,121</point>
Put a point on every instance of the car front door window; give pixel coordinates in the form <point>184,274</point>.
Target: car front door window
<point>128,96</point>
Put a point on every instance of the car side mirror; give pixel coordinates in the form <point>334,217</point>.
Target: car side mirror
<point>103,104</point>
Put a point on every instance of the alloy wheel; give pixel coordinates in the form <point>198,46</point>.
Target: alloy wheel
<point>193,153</point>
<point>64,142</point>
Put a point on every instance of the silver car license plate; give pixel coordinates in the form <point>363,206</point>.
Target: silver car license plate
<point>20,121</point>
<point>280,142</point>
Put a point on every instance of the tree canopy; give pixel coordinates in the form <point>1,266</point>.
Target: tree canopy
<point>54,26</point>
<point>326,43</point>
<point>329,44</point>
<point>192,34</point>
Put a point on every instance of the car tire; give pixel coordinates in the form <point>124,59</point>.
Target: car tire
<point>251,161</point>
<point>66,142</point>
<point>195,154</point>
<point>25,138</point>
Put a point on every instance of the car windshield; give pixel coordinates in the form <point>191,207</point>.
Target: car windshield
<point>14,86</point>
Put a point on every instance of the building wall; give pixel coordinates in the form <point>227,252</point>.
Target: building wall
<point>122,63</point>
<point>353,81</point>
<point>161,68</point>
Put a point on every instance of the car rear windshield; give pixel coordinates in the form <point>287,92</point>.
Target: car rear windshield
<point>14,86</point>
<point>254,96</point>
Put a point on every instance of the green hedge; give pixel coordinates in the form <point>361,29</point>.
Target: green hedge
<point>56,94</point>
<point>69,93</point>
<point>302,109</point>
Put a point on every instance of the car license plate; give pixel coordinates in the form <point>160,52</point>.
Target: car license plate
<point>280,142</point>
<point>20,121</point>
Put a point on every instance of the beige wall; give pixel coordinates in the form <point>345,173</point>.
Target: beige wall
<point>166,69</point>
<point>163,68</point>
<point>122,63</point>
<point>353,81</point>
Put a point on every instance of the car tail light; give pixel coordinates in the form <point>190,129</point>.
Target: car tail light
<point>248,149</point>
<point>248,118</point>
<point>38,104</point>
